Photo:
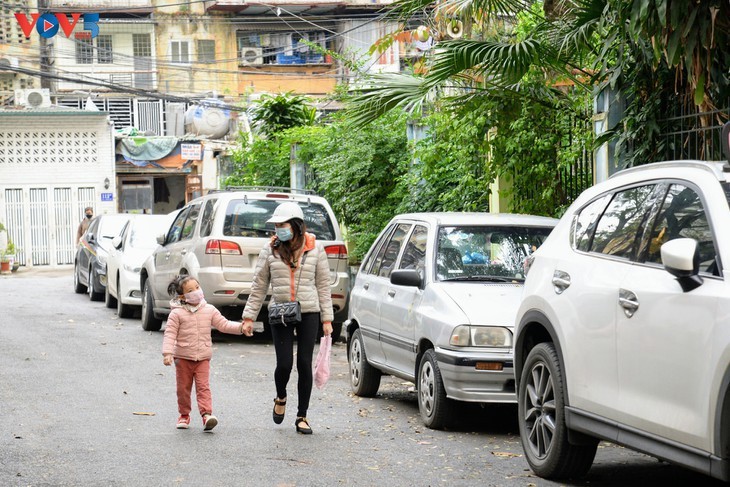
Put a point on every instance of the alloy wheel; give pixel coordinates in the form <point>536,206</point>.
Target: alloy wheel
<point>539,407</point>
<point>426,387</point>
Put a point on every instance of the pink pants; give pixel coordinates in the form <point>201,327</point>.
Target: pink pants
<point>187,372</point>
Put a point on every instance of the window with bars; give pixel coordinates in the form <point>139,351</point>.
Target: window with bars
<point>104,49</point>
<point>84,50</point>
<point>286,47</point>
<point>180,52</point>
<point>206,51</point>
<point>142,45</point>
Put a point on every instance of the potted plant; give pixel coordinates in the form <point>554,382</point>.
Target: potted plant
<point>11,251</point>
<point>5,265</point>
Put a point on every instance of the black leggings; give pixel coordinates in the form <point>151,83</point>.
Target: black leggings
<point>283,337</point>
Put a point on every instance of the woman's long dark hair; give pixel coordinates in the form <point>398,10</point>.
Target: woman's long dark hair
<point>286,250</point>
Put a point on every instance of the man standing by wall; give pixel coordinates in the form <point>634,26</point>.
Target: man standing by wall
<point>84,223</point>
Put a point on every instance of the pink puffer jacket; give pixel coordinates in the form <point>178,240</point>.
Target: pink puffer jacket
<point>187,333</point>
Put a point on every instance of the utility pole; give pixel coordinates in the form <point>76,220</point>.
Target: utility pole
<point>46,53</point>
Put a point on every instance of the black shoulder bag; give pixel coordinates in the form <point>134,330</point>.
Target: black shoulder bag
<point>283,314</point>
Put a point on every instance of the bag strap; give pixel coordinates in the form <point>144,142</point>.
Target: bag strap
<point>301,268</point>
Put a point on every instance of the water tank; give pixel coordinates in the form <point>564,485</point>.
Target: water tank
<point>207,119</point>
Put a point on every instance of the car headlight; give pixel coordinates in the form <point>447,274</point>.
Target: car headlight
<point>481,336</point>
<point>130,268</point>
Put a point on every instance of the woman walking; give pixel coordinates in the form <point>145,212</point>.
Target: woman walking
<point>296,266</point>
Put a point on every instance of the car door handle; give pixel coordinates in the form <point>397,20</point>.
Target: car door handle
<point>366,286</point>
<point>561,281</point>
<point>391,293</point>
<point>628,301</point>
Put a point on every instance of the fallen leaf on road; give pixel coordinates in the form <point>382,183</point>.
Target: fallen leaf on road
<point>143,414</point>
<point>505,454</point>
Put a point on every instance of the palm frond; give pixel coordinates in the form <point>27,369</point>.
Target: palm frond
<point>385,92</point>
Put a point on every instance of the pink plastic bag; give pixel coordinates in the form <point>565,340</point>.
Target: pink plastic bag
<point>322,366</point>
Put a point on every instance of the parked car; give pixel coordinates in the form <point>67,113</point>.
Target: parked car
<point>136,241</point>
<point>92,252</point>
<point>623,332</point>
<point>434,303</point>
<point>217,239</point>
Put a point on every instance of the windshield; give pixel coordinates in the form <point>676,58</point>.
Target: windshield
<point>486,252</point>
<point>111,225</point>
<point>247,218</point>
<point>145,229</point>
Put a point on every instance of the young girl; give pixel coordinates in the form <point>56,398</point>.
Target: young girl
<point>187,340</point>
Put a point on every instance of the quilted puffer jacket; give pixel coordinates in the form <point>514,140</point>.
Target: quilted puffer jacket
<point>312,291</point>
<point>187,333</point>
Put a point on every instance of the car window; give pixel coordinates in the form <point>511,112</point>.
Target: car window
<point>92,227</point>
<point>144,231</point>
<point>190,221</point>
<point>485,252</point>
<point>173,235</point>
<point>247,218</point>
<point>376,247</point>
<point>206,221</point>
<point>584,223</point>
<point>388,253</point>
<point>617,230</point>
<point>414,254</point>
<point>683,216</point>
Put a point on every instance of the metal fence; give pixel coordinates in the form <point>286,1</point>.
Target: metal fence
<point>691,135</point>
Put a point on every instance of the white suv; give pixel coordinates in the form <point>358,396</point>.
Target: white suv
<point>623,332</point>
<point>217,239</point>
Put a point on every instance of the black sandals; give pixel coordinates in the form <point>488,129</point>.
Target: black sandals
<point>278,418</point>
<point>305,430</point>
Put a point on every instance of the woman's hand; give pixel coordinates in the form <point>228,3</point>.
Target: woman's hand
<point>167,359</point>
<point>327,328</point>
<point>247,327</point>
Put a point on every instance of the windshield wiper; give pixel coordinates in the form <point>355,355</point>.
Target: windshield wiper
<point>485,278</point>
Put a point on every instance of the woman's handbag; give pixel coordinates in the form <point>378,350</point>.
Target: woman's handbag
<point>322,365</point>
<point>289,313</point>
<point>285,313</point>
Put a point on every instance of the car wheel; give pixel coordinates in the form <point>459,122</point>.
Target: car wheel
<point>149,321</point>
<point>123,310</point>
<point>433,404</point>
<point>541,418</point>
<point>109,300</point>
<point>78,287</point>
<point>94,295</point>
<point>364,378</point>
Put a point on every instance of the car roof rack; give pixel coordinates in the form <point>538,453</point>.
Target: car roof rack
<point>272,189</point>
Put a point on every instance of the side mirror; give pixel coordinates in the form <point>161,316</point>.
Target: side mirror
<point>406,277</point>
<point>117,242</point>
<point>681,258</point>
<point>90,238</point>
<point>161,239</point>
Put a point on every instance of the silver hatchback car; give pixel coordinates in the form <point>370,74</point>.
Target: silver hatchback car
<point>434,303</point>
<point>217,239</point>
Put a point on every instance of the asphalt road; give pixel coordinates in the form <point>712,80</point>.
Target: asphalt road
<point>86,400</point>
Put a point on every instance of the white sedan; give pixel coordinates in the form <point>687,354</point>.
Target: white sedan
<point>135,242</point>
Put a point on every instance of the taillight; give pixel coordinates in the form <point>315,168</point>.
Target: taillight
<point>336,251</point>
<point>222,247</point>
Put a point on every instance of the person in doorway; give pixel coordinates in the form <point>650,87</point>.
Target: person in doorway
<point>296,265</point>
<point>187,343</point>
<point>89,214</point>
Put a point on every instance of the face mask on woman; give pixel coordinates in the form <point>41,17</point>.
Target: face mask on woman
<point>284,234</point>
<point>194,297</point>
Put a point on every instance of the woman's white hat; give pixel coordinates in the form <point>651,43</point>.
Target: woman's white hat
<point>285,212</point>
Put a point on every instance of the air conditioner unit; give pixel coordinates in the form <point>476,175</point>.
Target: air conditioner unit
<point>33,98</point>
<point>8,62</point>
<point>252,55</point>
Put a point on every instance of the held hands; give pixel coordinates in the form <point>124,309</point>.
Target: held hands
<point>167,359</point>
<point>327,328</point>
<point>247,327</point>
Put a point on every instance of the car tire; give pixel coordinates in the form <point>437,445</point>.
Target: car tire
<point>78,287</point>
<point>364,378</point>
<point>541,418</point>
<point>94,295</point>
<point>123,310</point>
<point>149,321</point>
<point>434,406</point>
<point>109,300</point>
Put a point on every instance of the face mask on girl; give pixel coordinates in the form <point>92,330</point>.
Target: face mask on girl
<point>284,234</point>
<point>194,297</point>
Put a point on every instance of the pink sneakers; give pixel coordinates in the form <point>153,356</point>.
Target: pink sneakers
<point>183,422</point>
<point>209,422</point>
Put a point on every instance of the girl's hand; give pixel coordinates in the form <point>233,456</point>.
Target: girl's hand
<point>247,327</point>
<point>167,359</point>
<point>327,328</point>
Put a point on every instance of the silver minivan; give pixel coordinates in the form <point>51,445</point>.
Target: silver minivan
<point>217,239</point>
